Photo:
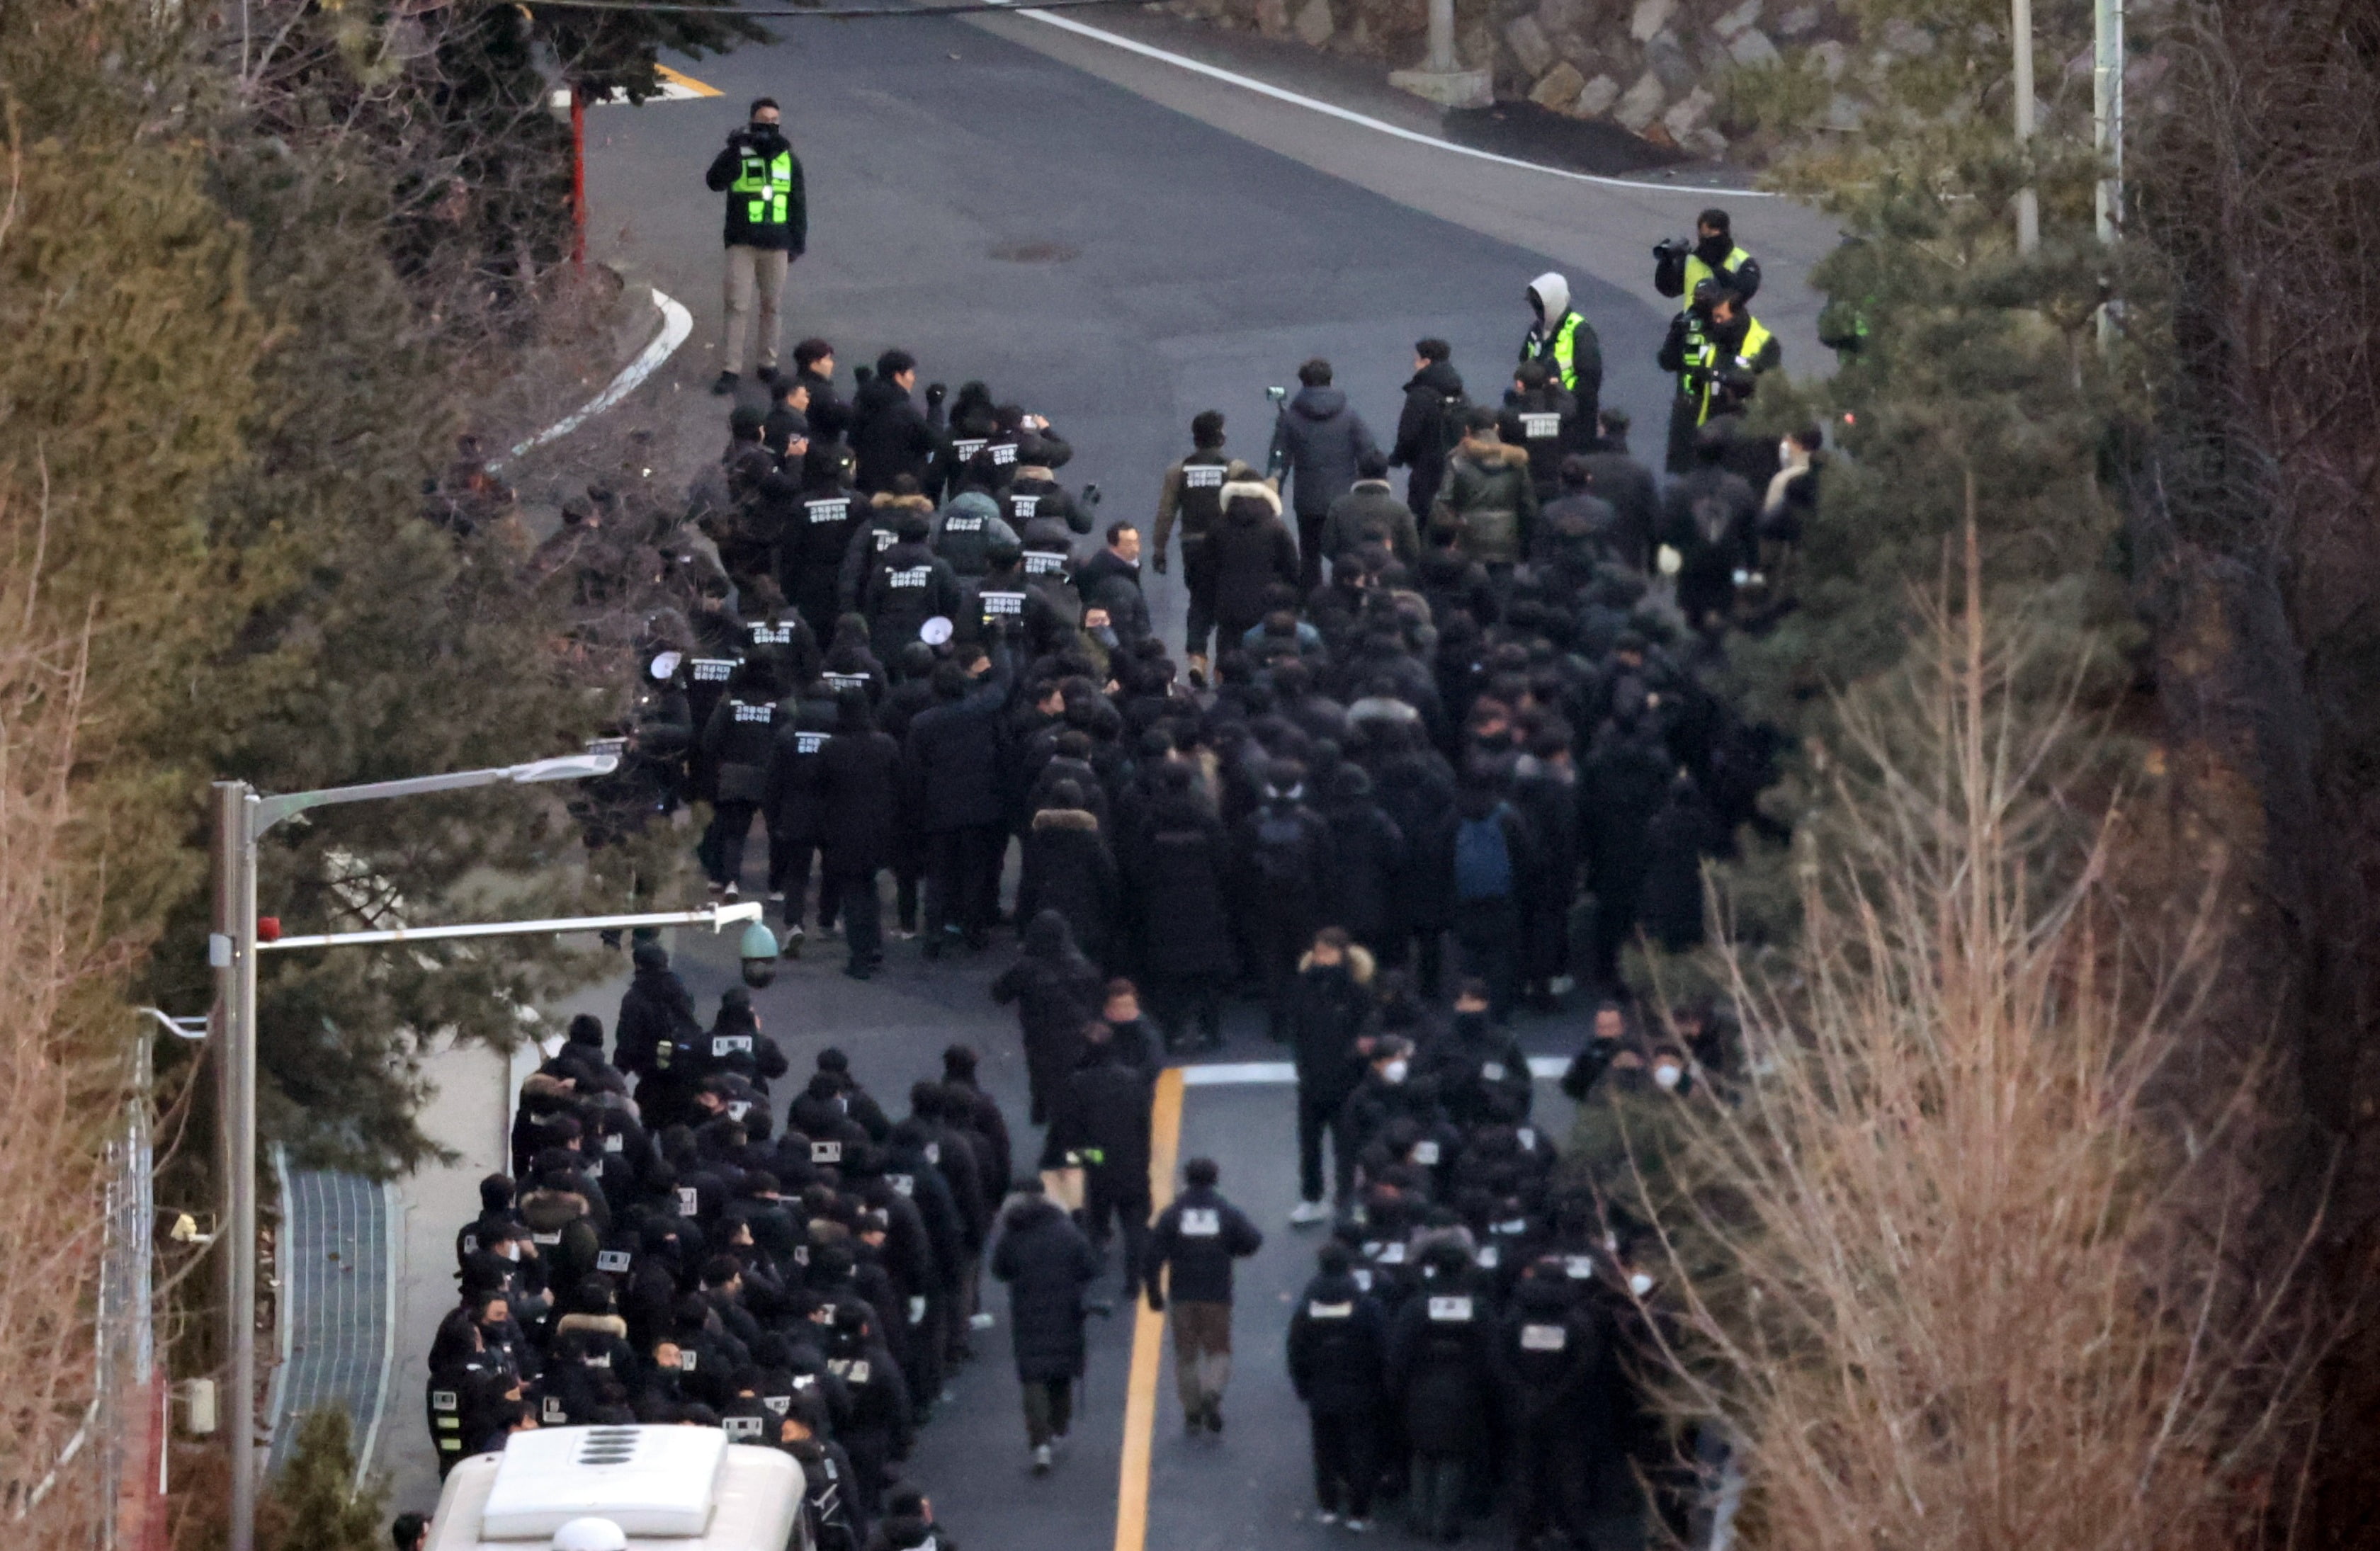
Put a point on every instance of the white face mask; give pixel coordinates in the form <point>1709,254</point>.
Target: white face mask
<point>1639,1283</point>
<point>1394,1071</point>
<point>1666,1077</point>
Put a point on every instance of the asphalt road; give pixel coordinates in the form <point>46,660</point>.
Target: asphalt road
<point>1184,243</point>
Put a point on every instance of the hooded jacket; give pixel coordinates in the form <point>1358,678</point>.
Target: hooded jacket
<point>1550,291</point>
<point>1069,868</point>
<point>1426,426</point>
<point>1047,1263</point>
<point>1179,863</point>
<point>1249,551</point>
<point>967,529</point>
<point>1338,1346</point>
<point>1488,504</point>
<point>1322,440</point>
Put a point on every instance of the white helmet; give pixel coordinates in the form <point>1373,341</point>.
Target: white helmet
<point>591,1535</point>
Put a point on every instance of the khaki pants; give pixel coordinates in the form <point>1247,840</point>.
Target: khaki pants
<point>1202,1355</point>
<point>753,272</point>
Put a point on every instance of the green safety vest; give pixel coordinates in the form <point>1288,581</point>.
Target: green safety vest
<point>1697,272</point>
<point>1701,373</point>
<point>766,182</point>
<point>1564,353</point>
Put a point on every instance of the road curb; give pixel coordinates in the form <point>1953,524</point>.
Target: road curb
<point>676,326</point>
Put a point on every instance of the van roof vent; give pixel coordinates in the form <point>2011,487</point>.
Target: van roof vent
<point>650,1481</point>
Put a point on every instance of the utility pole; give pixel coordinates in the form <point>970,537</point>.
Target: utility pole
<point>231,953</point>
<point>2028,205</point>
<point>2107,133</point>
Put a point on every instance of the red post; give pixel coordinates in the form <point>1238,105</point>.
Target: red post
<point>578,176</point>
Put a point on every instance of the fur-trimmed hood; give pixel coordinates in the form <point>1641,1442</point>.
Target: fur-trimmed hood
<point>1360,966</point>
<point>1066,818</point>
<point>1254,489</point>
<point>1488,453</point>
<point>885,500</point>
<point>600,1323</point>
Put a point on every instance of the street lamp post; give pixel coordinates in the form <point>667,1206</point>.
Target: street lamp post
<point>241,817</point>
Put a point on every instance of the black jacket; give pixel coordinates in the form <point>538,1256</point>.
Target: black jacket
<point>1069,868</point>
<point>1424,429</point>
<point>890,435</point>
<point>1101,1118</point>
<point>1047,1263</point>
<point>952,758</point>
<point>1438,1350</point>
<point>859,788</point>
<point>1327,1008</point>
<point>1338,1346</point>
<point>1199,1235</point>
<point>1246,551</point>
<point>1177,867</point>
<point>1635,500</point>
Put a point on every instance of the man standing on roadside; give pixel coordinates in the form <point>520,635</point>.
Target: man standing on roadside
<point>767,228</point>
<point>1199,1235</point>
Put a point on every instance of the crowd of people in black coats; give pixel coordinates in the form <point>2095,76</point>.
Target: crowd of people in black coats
<point>663,1252</point>
<point>1473,721</point>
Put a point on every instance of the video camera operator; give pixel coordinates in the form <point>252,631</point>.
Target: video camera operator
<point>767,228</point>
<point>1679,265</point>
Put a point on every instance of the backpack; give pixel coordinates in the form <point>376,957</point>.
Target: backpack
<point>1482,861</point>
<point>1283,849</point>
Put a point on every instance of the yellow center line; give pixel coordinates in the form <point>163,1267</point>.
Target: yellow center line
<point>679,79</point>
<point>1148,1329</point>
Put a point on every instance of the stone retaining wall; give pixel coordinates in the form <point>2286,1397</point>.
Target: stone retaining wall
<point>1656,67</point>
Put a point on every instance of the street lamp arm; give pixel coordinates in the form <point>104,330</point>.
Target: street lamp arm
<point>570,767</point>
<point>716,917</point>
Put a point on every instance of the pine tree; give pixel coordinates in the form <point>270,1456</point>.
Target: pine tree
<point>314,1503</point>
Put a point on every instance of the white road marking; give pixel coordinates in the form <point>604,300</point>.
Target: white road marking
<point>676,325</point>
<point>1267,1073</point>
<point>1281,94</point>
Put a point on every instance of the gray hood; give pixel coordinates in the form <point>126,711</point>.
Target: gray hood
<point>1553,293</point>
<point>1319,404</point>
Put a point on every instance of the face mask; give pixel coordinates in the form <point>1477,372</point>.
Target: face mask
<point>1394,1071</point>
<point>1667,1075</point>
<point>1639,1283</point>
<point>1469,1024</point>
<point>762,131</point>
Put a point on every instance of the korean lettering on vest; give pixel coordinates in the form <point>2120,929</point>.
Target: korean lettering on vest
<point>547,1239</point>
<point>742,710</point>
<point>1001,605</point>
<point>767,634</point>
<point>1202,476</point>
<point>1042,562</point>
<point>834,510</point>
<point>1455,1310</point>
<point>616,1262</point>
<point>740,1427</point>
<point>1540,427</point>
<point>726,1044</point>
<point>825,1152</point>
<point>1544,1338</point>
<point>690,1201</point>
<point>1025,505</point>
<point>846,681</point>
<point>1317,1309</point>
<point>885,539</point>
<point>1201,1222</point>
<point>810,742</point>
<point>967,447</point>
<point>908,577</point>
<point>956,524</point>
<point>1003,452</point>
<point>712,670</point>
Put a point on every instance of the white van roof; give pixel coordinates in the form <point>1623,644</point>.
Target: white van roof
<point>685,1488</point>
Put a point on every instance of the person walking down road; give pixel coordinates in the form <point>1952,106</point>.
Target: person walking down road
<point>1338,1352</point>
<point>1428,426</point>
<point>1321,442</point>
<point>1100,1125</point>
<point>1192,496</point>
<point>767,228</point>
<point>1056,991</point>
<point>1326,1005</point>
<point>1198,1236</point>
<point>1249,551</point>
<point>1047,1263</point>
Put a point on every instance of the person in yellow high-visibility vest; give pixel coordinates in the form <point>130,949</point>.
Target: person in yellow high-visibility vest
<point>1712,339</point>
<point>1565,342</point>
<point>767,228</point>
<point>1679,266</point>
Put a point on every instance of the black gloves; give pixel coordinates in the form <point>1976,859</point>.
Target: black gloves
<point>936,392</point>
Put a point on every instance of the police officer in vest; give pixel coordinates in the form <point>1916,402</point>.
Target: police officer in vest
<point>1192,495</point>
<point>1680,266</point>
<point>767,228</point>
<point>1713,338</point>
<point>1566,343</point>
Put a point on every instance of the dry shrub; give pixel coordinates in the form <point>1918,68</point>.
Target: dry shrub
<point>56,1098</point>
<point>1954,1277</point>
